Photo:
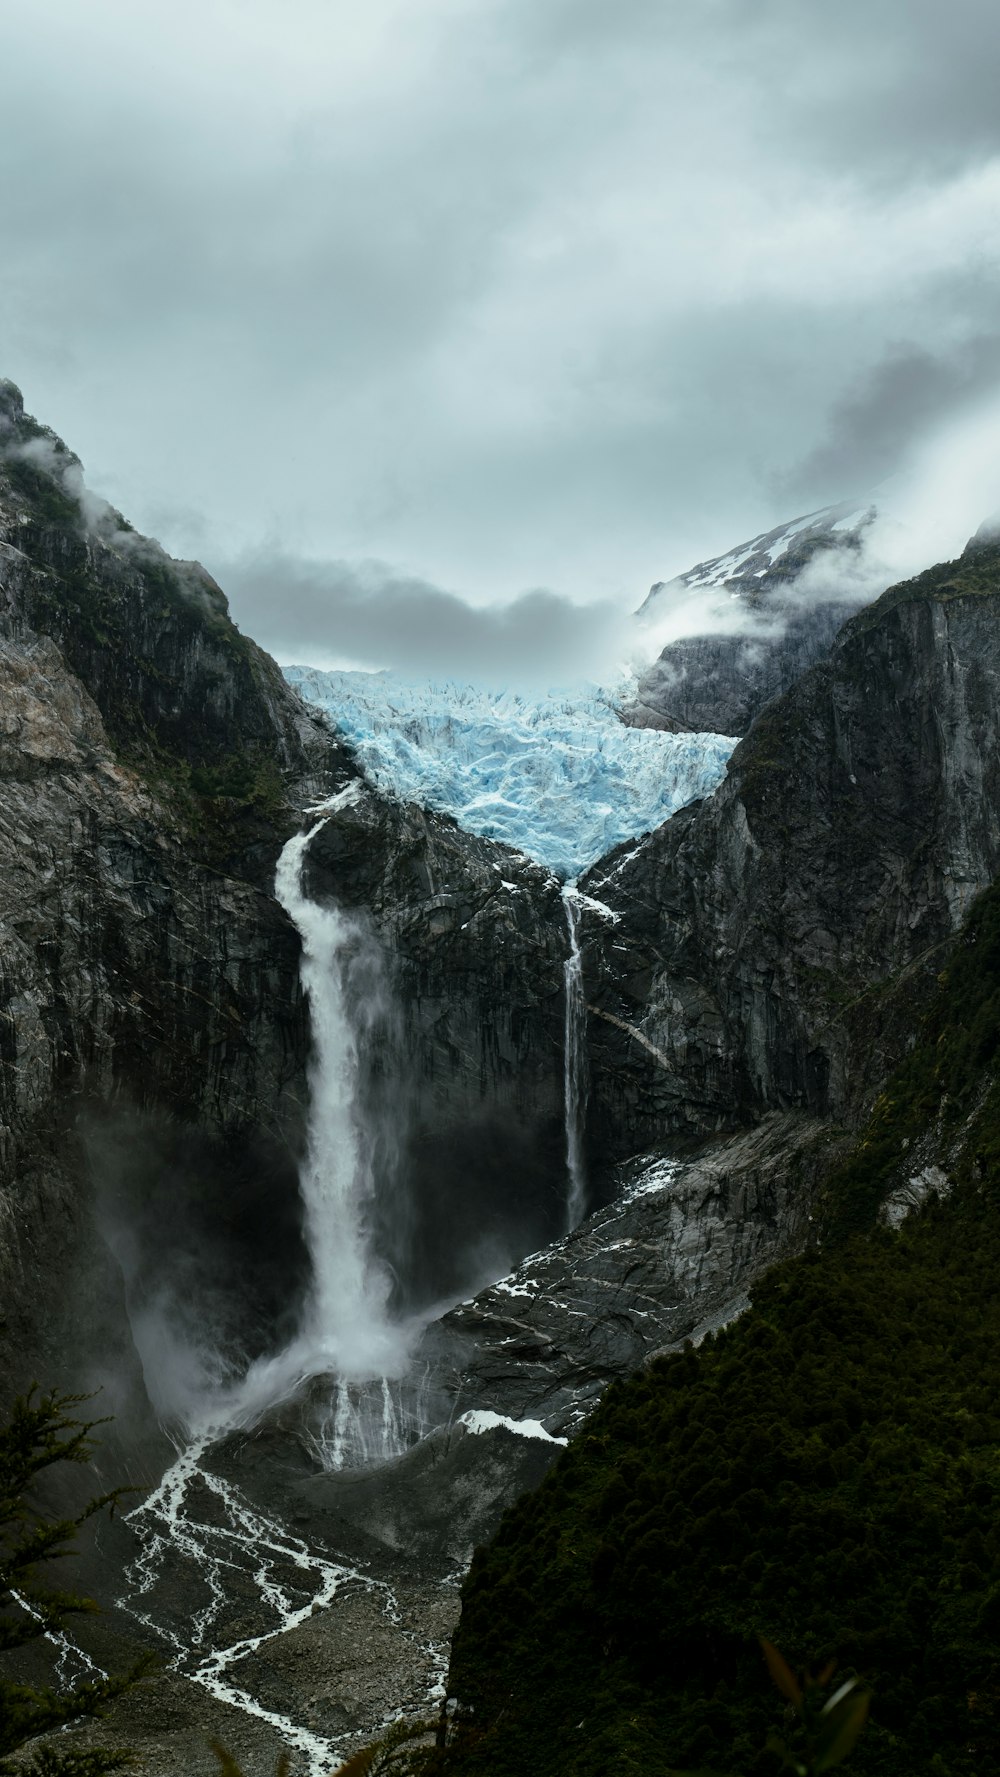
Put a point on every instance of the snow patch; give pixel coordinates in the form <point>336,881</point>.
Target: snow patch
<point>481,1420</point>
<point>652,1180</point>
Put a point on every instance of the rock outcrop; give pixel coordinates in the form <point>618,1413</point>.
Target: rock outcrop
<point>466,1061</point>
<point>672,1256</point>
<point>756,951</point>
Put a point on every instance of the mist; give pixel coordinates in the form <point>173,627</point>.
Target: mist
<point>369,616</point>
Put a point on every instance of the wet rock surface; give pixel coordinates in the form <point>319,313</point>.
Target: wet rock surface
<point>153,1036</point>
<point>670,1257</point>
<point>471,943</point>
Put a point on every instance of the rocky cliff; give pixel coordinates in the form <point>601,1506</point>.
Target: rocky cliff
<point>470,937</point>
<point>152,1033</point>
<point>154,1037</point>
<point>767,948</point>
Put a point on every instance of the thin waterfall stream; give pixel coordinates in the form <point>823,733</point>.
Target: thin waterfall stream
<point>575,1071</point>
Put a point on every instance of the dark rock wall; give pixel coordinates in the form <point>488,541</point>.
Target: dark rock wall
<point>755,933</point>
<point>472,939</point>
<point>717,684</point>
<point>154,1040</point>
<point>148,981</point>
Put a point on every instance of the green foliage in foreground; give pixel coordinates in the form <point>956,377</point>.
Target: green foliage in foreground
<point>826,1473</point>
<point>827,1722</point>
<point>43,1431</point>
<point>400,1752</point>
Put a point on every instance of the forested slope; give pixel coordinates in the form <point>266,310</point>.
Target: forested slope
<point>826,1472</point>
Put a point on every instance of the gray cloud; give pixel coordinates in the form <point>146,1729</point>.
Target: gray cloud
<point>499,295</point>
<point>905,397</point>
<point>901,90</point>
<point>364,615</point>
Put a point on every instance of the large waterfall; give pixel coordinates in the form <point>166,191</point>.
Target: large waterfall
<point>346,1318</point>
<point>574,1063</point>
<point>365,1408</point>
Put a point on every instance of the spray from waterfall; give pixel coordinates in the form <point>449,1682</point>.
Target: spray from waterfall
<point>575,1072</point>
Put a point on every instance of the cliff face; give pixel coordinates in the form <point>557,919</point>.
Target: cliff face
<point>155,1041</point>
<point>769,945</point>
<point>467,939</point>
<point>718,683</point>
<point>152,1029</point>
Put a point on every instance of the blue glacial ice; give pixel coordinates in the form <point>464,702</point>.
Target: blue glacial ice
<point>557,776</point>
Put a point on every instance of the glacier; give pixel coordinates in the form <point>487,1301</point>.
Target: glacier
<point>557,776</point>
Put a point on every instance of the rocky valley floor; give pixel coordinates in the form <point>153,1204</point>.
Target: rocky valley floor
<point>291,1608</point>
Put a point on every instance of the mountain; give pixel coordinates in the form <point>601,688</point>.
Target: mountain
<point>780,933</point>
<point>759,623</point>
<point>829,923</point>
<point>769,1015</point>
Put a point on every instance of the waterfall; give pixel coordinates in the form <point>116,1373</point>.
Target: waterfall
<point>575,1071</point>
<point>346,1325</point>
<point>367,1423</point>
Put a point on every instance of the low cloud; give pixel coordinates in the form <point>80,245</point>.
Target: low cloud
<point>371,615</point>
<point>515,295</point>
<point>368,615</point>
<point>49,454</point>
<point>908,396</point>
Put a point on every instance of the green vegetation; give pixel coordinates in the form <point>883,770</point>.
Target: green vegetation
<point>825,1473</point>
<point>827,1721</point>
<point>41,491</point>
<point>946,1090</point>
<point>43,1431</point>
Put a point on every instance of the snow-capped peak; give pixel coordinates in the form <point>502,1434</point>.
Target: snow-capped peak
<point>771,560</point>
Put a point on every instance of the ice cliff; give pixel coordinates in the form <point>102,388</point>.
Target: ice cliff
<point>558,777</point>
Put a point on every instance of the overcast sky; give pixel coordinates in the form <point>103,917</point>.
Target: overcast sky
<point>411,305</point>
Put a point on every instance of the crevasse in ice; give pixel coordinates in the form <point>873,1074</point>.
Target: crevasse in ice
<point>558,776</point>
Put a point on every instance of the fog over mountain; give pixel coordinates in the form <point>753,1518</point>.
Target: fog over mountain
<point>486,300</point>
